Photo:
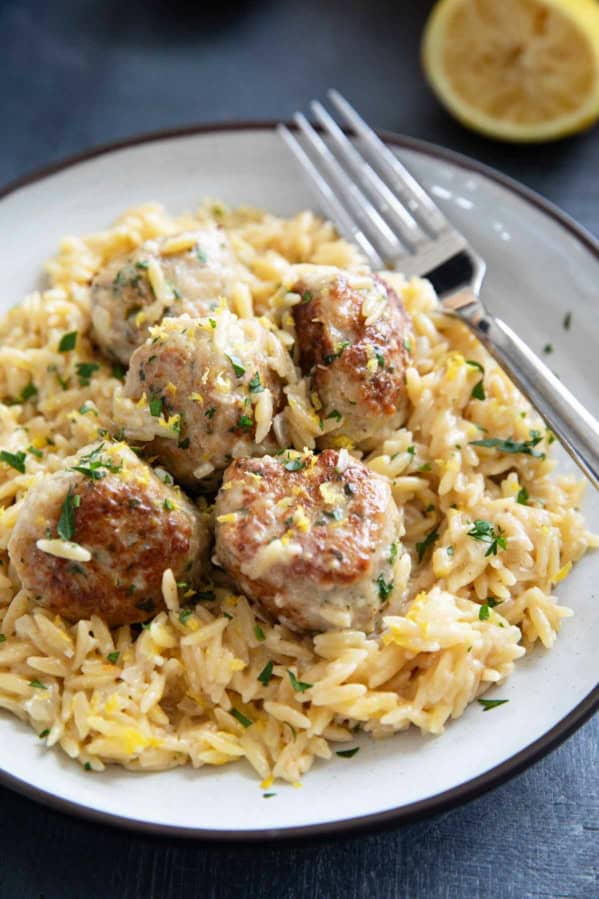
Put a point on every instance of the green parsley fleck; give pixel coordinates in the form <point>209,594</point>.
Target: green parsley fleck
<point>423,547</point>
<point>28,392</point>
<point>201,255</point>
<point>478,391</point>
<point>238,366</point>
<point>245,722</point>
<point>407,345</point>
<point>393,553</point>
<point>426,467</point>
<point>85,409</point>
<point>335,414</point>
<point>385,588</point>
<point>113,657</point>
<point>294,465</point>
<point>347,753</point>
<point>380,359</point>
<point>567,321</point>
<point>486,532</point>
<point>522,497</point>
<point>37,684</point>
<point>255,384</point>
<point>260,635</point>
<point>268,795</point>
<point>266,673</point>
<point>168,504</point>
<point>245,422</point>
<point>298,685</point>
<point>489,704</point>
<point>155,405</point>
<point>87,766</point>
<point>450,550</point>
<point>66,523</point>
<point>330,358</point>
<point>118,371</point>
<point>2,638</point>
<point>84,372</point>
<point>209,413</point>
<point>548,348</point>
<point>513,446</point>
<point>15,460</point>
<point>474,364</point>
<point>67,342</point>
<point>44,733</point>
<point>185,615</point>
<point>411,450</point>
<point>306,297</point>
<point>205,596</point>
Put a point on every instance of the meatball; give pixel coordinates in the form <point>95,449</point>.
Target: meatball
<point>184,273</point>
<point>352,341</point>
<point>97,537</point>
<point>312,539</point>
<point>206,392</point>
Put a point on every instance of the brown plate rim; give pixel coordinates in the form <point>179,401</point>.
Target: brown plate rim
<point>440,802</point>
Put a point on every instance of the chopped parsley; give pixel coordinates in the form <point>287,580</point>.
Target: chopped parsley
<point>205,596</point>
<point>28,392</point>
<point>67,342</point>
<point>245,422</point>
<point>84,409</point>
<point>87,766</point>
<point>155,405</point>
<point>142,264</point>
<point>245,722</point>
<point>201,255</point>
<point>450,550</point>
<point>118,371</point>
<point>168,504</point>
<point>94,466</point>
<point>259,632</point>
<point>411,450</point>
<point>407,345</point>
<point>330,357</point>
<point>266,673</point>
<point>255,384</point>
<point>474,364</point>
<point>486,532</point>
<point>489,704</point>
<point>426,467</point>
<point>15,460</point>
<point>423,547</point>
<point>548,348</point>
<point>294,465</point>
<point>385,588</point>
<point>66,523</point>
<point>380,359</point>
<point>306,297</point>
<point>44,733</point>
<point>185,615</point>
<point>145,605</point>
<point>513,446</point>
<point>238,366</point>
<point>567,321</point>
<point>298,685</point>
<point>347,753</point>
<point>478,391</point>
<point>113,657</point>
<point>2,638</point>
<point>268,795</point>
<point>84,372</point>
<point>209,413</point>
<point>392,553</point>
<point>335,414</point>
<point>37,684</point>
<point>522,497</point>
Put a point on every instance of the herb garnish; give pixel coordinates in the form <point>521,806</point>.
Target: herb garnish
<point>266,673</point>
<point>209,413</point>
<point>84,372</point>
<point>44,733</point>
<point>268,795</point>
<point>238,366</point>
<point>423,546</point>
<point>185,615</point>
<point>118,371</point>
<point>335,414</point>
<point>385,587</point>
<point>474,364</point>
<point>37,684</point>
<point>113,657</point>
<point>306,297</point>
<point>155,405</point>
<point>2,638</point>
<point>15,460</point>
<point>478,391</point>
<point>392,553</point>
<point>66,523</point>
<point>67,342</point>
<point>522,497</point>
<point>205,596</point>
<point>380,359</point>
<point>347,753</point>
<point>294,465</point>
<point>548,348</point>
<point>486,532</point>
<point>489,704</point>
<point>245,722</point>
<point>513,446</point>
<point>28,392</point>
<point>259,632</point>
<point>298,685</point>
<point>567,321</point>
<point>255,384</point>
<point>245,422</point>
<point>201,255</point>
<point>330,358</point>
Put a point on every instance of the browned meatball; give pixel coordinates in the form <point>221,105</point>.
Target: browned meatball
<point>205,391</point>
<point>352,342</point>
<point>182,273</point>
<point>97,537</point>
<point>313,539</point>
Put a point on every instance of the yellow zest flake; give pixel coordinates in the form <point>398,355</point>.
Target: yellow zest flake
<point>140,318</point>
<point>267,782</point>
<point>197,398</point>
<point>285,502</point>
<point>562,573</point>
<point>315,400</point>
<point>297,784</point>
<point>142,402</point>
<point>416,605</point>
<point>331,493</point>
<point>192,624</point>
<point>286,538</point>
<point>133,741</point>
<point>112,704</point>
<point>301,520</point>
<point>372,363</point>
<point>454,363</point>
<point>545,530</point>
<point>222,383</point>
<point>236,665</point>
<point>171,388</point>
<point>229,518</point>
<point>38,442</point>
<point>288,320</point>
<point>342,442</point>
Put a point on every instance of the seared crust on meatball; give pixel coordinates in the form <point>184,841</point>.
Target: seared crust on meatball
<point>182,273</point>
<point>124,526</point>
<point>313,539</point>
<point>206,392</point>
<point>352,338</point>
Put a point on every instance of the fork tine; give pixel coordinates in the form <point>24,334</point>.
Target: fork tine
<point>359,202</point>
<point>404,184</point>
<point>334,208</point>
<point>406,224</point>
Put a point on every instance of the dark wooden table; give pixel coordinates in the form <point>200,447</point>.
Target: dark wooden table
<point>78,73</point>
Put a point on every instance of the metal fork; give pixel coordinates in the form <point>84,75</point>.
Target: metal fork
<point>375,202</point>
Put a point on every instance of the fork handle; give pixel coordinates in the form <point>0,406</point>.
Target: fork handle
<point>573,425</point>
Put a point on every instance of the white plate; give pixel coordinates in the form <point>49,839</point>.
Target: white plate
<point>540,265</point>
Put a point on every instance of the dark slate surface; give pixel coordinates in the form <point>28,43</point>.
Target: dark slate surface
<point>78,73</point>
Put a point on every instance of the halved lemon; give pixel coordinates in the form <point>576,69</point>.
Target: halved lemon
<point>518,70</point>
